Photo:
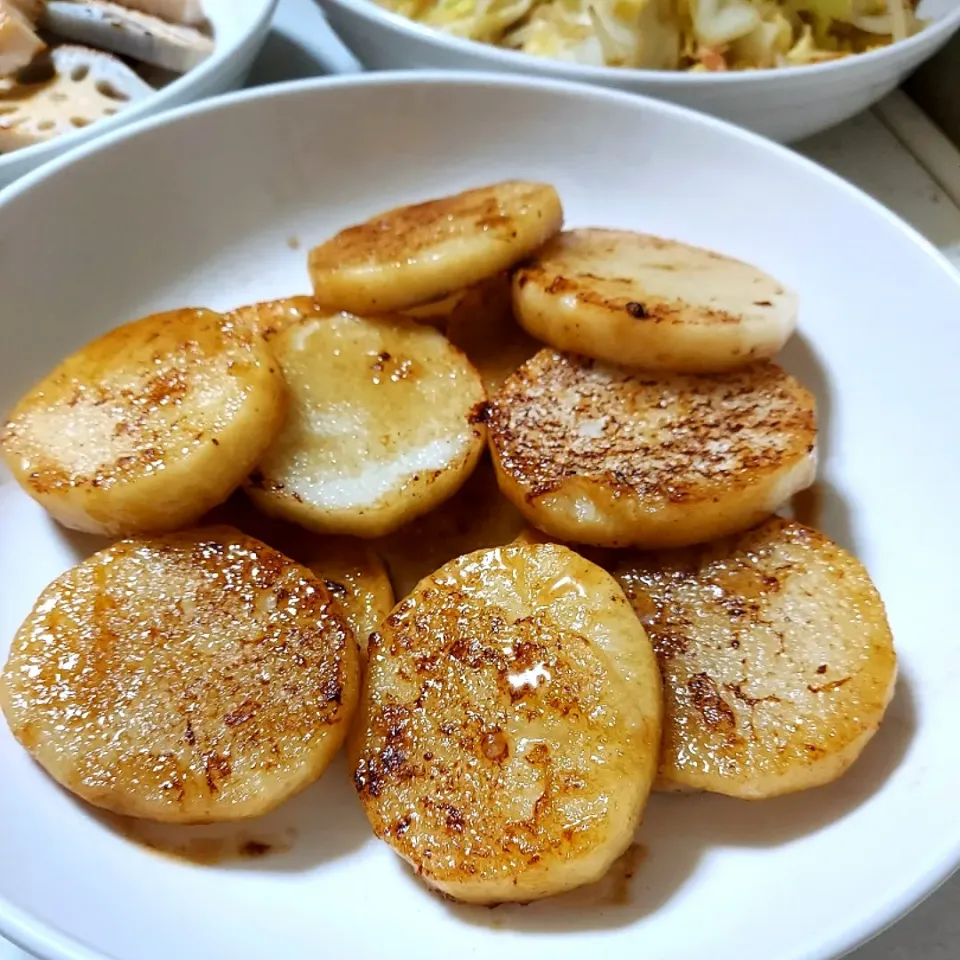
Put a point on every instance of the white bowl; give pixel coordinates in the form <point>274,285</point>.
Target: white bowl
<point>240,29</point>
<point>217,205</point>
<point>785,104</point>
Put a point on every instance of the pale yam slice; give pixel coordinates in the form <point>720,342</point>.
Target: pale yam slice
<point>653,304</point>
<point>149,426</point>
<point>192,678</point>
<point>776,654</point>
<point>417,254</point>
<point>509,727</point>
<point>592,453</point>
<point>385,424</point>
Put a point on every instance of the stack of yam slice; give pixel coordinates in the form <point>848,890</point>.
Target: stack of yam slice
<point>563,452</point>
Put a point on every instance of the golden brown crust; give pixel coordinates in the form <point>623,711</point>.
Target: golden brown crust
<point>777,659</point>
<point>271,317</point>
<point>597,454</point>
<point>351,569</point>
<point>417,254</point>
<point>509,719</point>
<point>403,231</point>
<point>192,678</point>
<point>148,427</point>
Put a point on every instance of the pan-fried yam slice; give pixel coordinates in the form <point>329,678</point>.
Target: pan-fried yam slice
<point>128,33</point>
<point>18,42</point>
<point>510,725</point>
<point>477,516</point>
<point>274,316</point>
<point>653,304</point>
<point>592,453</point>
<point>483,327</point>
<point>352,571</point>
<point>418,254</point>
<point>385,423</point>
<point>76,88</point>
<point>777,659</point>
<point>148,427</point>
<point>192,678</point>
<point>357,578</point>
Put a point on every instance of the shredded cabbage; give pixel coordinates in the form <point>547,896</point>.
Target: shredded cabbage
<point>702,35</point>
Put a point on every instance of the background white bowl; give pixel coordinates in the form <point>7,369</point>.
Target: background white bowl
<point>785,105</point>
<point>240,28</point>
<point>217,205</point>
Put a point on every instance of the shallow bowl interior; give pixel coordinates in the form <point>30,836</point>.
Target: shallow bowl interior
<point>217,206</point>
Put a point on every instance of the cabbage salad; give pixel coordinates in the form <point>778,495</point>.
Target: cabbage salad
<point>695,35</point>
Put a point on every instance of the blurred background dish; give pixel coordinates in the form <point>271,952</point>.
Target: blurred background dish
<point>686,35</point>
<point>785,103</point>
<point>70,71</point>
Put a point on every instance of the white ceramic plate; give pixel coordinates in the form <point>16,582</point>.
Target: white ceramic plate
<point>785,105</point>
<point>206,207</point>
<point>240,28</point>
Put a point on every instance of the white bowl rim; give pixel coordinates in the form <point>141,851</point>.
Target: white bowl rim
<point>49,943</point>
<point>508,59</point>
<point>222,53</point>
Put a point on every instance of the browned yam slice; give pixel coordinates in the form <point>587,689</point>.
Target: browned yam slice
<point>385,423</point>
<point>596,454</point>
<point>418,254</point>
<point>192,678</point>
<point>510,725</point>
<point>351,570</point>
<point>148,427</point>
<point>777,659</point>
